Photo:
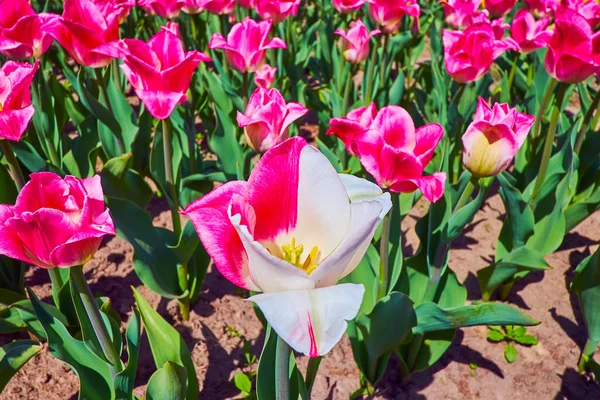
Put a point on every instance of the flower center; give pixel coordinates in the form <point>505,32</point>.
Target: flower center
<point>1,106</point>
<point>292,253</point>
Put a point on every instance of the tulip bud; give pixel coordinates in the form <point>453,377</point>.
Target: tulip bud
<point>355,42</point>
<point>493,138</point>
<point>529,33</point>
<point>16,109</point>
<point>348,6</point>
<point>168,9</point>
<point>388,14</point>
<point>276,10</point>
<point>265,76</point>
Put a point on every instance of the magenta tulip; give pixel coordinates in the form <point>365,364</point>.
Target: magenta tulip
<point>392,150</point>
<point>115,9</point>
<point>247,3</point>
<point>247,44</point>
<point>276,10</point>
<point>15,99</point>
<point>348,6</point>
<point>469,54</point>
<point>459,13</point>
<point>169,9</point>
<point>265,76</point>
<point>529,33</point>
<point>590,10</point>
<point>292,232</point>
<point>388,14</point>
<point>267,119</point>
<point>498,8</point>
<point>543,7</point>
<point>218,7</point>
<point>573,54</point>
<point>55,222</point>
<point>493,138</point>
<point>355,42</point>
<point>23,33</point>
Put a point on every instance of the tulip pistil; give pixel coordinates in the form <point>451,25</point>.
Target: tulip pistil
<point>292,253</point>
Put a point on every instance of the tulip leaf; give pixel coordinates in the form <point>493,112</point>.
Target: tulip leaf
<point>460,218</point>
<point>8,194</point>
<point>223,140</point>
<point>265,375</point>
<point>124,380</point>
<point>29,156</point>
<point>94,375</point>
<point>166,344</point>
<point>13,356</point>
<point>168,383</point>
<point>27,315</point>
<point>197,185</point>
<point>586,285</point>
<point>121,182</point>
<point>367,274</point>
<point>99,110</point>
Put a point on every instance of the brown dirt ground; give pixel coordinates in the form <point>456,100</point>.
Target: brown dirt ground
<point>545,371</point>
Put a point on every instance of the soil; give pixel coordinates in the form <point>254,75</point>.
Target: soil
<point>545,371</point>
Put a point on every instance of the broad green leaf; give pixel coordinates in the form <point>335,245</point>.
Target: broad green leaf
<point>168,383</point>
<point>13,356</point>
<point>166,344</point>
<point>8,194</point>
<point>243,383</point>
<point>495,336</point>
<point>265,375</point>
<point>510,353</point>
<point>99,110</point>
<point>586,285</point>
<point>367,274</point>
<point>124,381</point>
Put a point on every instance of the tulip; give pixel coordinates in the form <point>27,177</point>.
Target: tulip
<point>276,10</point>
<point>529,33</point>
<point>572,55</point>
<point>169,9</point>
<point>115,9</point>
<point>544,7</point>
<point>391,149</point>
<point>459,13</point>
<point>292,232</point>
<point>469,54</point>
<point>219,7</point>
<point>159,71</point>
<point>355,42</point>
<point>388,14</point>
<point>498,8</point>
<point>16,109</point>
<point>83,29</point>
<point>348,129</point>
<point>267,118</point>
<point>249,4</point>
<point>247,44</point>
<point>348,6</point>
<point>590,10</point>
<point>23,33</point>
<point>265,76</point>
<point>493,138</point>
<point>55,222</point>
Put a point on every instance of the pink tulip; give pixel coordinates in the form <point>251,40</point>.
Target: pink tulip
<point>15,99</point>
<point>249,4</point>
<point>169,9</point>
<point>529,33</point>
<point>348,6</point>
<point>392,150</point>
<point>293,231</point>
<point>388,14</point>
<point>493,138</point>
<point>352,126</point>
<point>83,29</point>
<point>355,42</point>
<point>23,33</point>
<point>572,55</point>
<point>276,10</point>
<point>265,76</point>
<point>459,13</point>
<point>159,71</point>
<point>469,54</point>
<point>218,7</point>
<point>498,8</point>
<point>115,9</point>
<point>55,222</point>
<point>590,10</point>
<point>247,44</point>
<point>267,118</point>
<point>544,7</point>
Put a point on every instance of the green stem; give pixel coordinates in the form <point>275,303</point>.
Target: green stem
<point>588,352</point>
<point>347,90</point>
<point>91,308</point>
<point>57,283</point>
<point>466,194</point>
<point>562,88</point>
<point>370,76</point>
<point>282,370</point>
<point>383,63</point>
<point>13,164</point>
<point>340,77</point>
<point>586,122</point>
<point>105,98</point>
<point>184,303</point>
<point>505,290</point>
<point>545,101</point>
<point>172,190</point>
<point>245,88</point>
<point>311,372</point>
<point>384,244</point>
<point>513,71</point>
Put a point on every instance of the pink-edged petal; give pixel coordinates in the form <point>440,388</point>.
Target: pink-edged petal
<point>217,41</point>
<point>13,123</point>
<point>10,243</point>
<point>210,217</point>
<point>44,190</point>
<point>294,111</point>
<point>160,103</point>
<point>432,186</point>
<point>428,137</point>
<point>397,127</point>
<point>312,322</point>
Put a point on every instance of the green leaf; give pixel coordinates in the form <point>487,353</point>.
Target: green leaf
<point>460,218</point>
<point>586,285</point>
<point>526,340</point>
<point>168,383</point>
<point>166,344</point>
<point>242,382</point>
<point>510,353</point>
<point>99,110</point>
<point>13,356</point>
<point>94,375</point>
<point>367,274</point>
<point>8,194</point>
<point>124,381</point>
<point>121,182</point>
<point>265,375</point>
<point>495,336</point>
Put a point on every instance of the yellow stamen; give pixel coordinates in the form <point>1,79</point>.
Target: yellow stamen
<point>292,254</point>
<point>1,107</point>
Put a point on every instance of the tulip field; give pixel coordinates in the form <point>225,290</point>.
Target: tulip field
<point>299,199</point>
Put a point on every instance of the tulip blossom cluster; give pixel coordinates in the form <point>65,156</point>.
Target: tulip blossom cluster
<point>355,42</point>
<point>493,138</point>
<point>391,149</point>
<point>267,118</point>
<point>529,33</point>
<point>16,109</point>
<point>247,44</point>
<point>292,232</point>
<point>55,222</point>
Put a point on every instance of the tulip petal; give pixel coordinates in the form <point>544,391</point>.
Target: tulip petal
<point>428,137</point>
<point>10,244</point>
<point>44,190</point>
<point>311,321</point>
<point>209,215</point>
<point>359,189</point>
<point>13,123</point>
<point>431,186</point>
<point>294,111</point>
<point>159,102</point>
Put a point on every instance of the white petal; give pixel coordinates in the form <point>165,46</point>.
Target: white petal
<point>269,273</point>
<point>359,189</point>
<point>365,219</point>
<point>323,205</point>
<point>312,321</point>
